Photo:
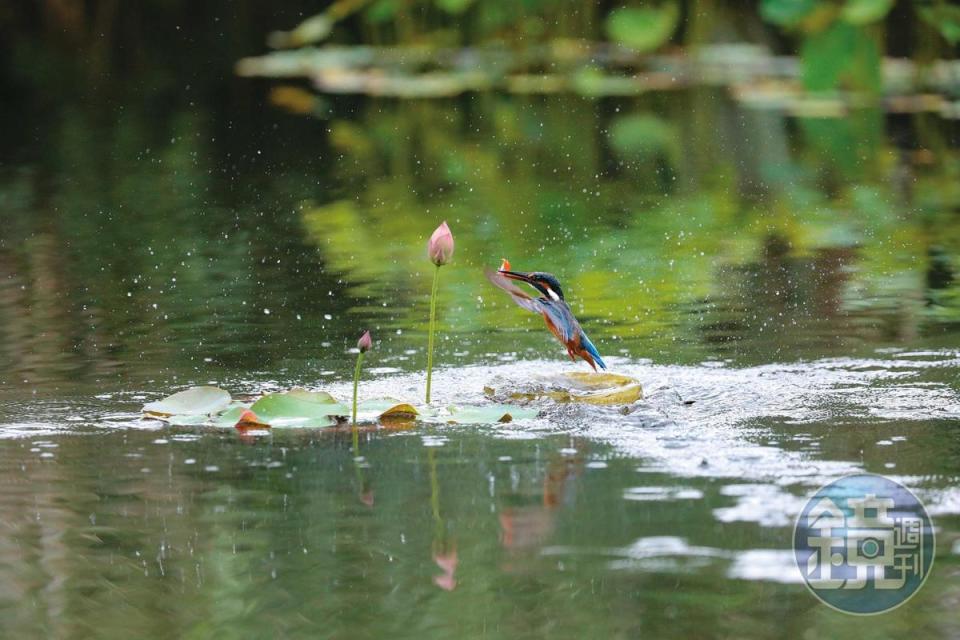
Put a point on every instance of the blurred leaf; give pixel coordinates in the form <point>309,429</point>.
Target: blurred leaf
<point>381,11</point>
<point>642,135</point>
<point>295,99</point>
<point>349,137</point>
<point>643,29</point>
<point>591,81</point>
<point>786,13</point>
<point>454,6</point>
<point>848,144</point>
<point>865,11</point>
<point>945,18</point>
<point>841,57</point>
<point>292,410</point>
<point>311,30</point>
<point>191,402</point>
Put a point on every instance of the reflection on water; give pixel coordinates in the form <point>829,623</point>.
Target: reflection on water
<point>126,259</point>
<point>187,535</point>
<point>667,520</point>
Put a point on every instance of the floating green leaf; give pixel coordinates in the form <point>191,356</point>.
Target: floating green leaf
<point>643,29</point>
<point>186,420</point>
<point>488,414</point>
<point>194,401</point>
<point>582,386</point>
<point>865,11</point>
<point>601,388</point>
<point>311,396</point>
<point>292,410</point>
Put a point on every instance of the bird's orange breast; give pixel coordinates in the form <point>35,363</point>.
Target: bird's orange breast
<point>574,348</point>
<point>573,343</point>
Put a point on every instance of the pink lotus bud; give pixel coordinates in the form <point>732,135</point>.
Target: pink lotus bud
<point>365,342</point>
<point>440,247</point>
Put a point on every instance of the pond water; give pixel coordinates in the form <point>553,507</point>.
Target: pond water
<point>782,287</point>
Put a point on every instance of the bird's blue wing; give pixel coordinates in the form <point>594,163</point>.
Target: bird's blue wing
<point>518,295</point>
<point>563,319</point>
<point>592,350</point>
<point>559,314</point>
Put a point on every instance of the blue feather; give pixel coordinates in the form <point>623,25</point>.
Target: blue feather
<point>592,350</point>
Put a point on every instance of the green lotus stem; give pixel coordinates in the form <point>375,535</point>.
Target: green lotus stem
<point>433,319</point>
<point>356,382</point>
<point>439,250</point>
<point>356,441</point>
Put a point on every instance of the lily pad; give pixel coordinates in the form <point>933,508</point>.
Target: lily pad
<point>385,408</point>
<point>195,401</point>
<point>281,410</point>
<point>184,420</point>
<point>582,386</point>
<point>230,417</point>
<point>311,396</point>
<point>489,414</point>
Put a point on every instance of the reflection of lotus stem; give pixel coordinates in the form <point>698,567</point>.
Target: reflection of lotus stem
<point>433,316</point>
<point>356,381</point>
<point>435,498</point>
<point>356,457</point>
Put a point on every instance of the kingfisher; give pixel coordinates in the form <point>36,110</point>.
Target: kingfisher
<point>551,305</point>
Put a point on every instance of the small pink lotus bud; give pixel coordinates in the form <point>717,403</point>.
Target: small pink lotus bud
<point>440,247</point>
<point>365,342</point>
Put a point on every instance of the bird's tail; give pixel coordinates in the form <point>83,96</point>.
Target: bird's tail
<point>592,350</point>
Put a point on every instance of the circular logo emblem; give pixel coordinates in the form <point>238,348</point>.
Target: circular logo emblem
<point>864,544</point>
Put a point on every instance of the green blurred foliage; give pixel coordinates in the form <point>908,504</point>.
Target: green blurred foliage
<point>945,18</point>
<point>841,57</point>
<point>787,13</point>
<point>865,11</point>
<point>643,28</point>
<point>673,217</point>
<point>840,46</point>
<point>644,136</point>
